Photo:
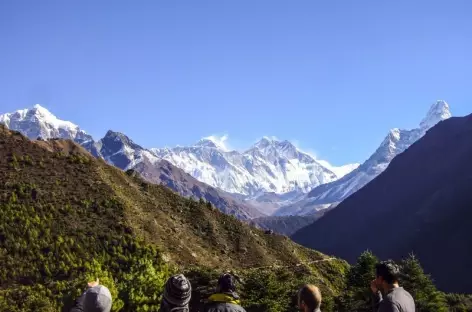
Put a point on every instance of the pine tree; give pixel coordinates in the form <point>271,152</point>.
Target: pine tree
<point>421,287</point>
<point>358,295</point>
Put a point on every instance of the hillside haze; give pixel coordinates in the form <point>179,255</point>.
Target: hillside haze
<point>420,203</point>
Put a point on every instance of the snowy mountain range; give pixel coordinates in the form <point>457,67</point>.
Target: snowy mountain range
<point>268,166</point>
<point>272,175</point>
<point>396,141</point>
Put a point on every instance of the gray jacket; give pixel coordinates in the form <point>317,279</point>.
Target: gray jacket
<point>396,300</point>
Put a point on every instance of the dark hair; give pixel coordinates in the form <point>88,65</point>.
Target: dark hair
<point>311,296</point>
<point>388,270</point>
<point>226,283</point>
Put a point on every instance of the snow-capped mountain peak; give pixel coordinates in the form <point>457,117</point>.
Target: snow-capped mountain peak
<point>39,122</point>
<point>265,141</point>
<point>439,111</point>
<point>119,150</point>
<point>44,115</point>
<point>212,142</point>
<point>271,148</point>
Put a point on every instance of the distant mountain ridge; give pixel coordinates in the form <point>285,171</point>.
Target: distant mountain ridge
<point>268,166</point>
<point>396,141</point>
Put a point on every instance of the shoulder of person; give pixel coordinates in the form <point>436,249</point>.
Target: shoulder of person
<point>223,306</point>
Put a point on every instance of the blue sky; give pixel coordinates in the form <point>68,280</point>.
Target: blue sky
<point>334,76</point>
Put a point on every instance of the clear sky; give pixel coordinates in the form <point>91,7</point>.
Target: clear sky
<point>334,76</point>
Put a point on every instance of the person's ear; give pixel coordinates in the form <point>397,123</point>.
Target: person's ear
<point>302,305</point>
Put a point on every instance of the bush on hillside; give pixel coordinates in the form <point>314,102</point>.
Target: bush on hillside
<point>459,302</point>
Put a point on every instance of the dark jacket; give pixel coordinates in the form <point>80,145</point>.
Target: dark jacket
<point>79,304</point>
<point>223,302</point>
<point>396,300</point>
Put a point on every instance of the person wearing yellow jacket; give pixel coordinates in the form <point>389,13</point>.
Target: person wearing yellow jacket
<point>225,299</point>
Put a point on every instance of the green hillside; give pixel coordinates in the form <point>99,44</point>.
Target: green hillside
<point>66,217</point>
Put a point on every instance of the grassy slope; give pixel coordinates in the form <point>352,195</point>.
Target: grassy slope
<point>62,212</point>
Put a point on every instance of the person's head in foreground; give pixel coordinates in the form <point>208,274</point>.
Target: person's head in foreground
<point>96,298</point>
<point>309,298</point>
<point>386,275</point>
<point>226,284</point>
<point>177,294</point>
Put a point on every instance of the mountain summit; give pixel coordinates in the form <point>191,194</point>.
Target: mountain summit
<point>439,111</point>
<point>213,142</point>
<point>38,122</point>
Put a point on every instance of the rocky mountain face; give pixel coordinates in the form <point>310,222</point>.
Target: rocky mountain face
<point>420,203</point>
<point>396,142</point>
<point>119,150</point>
<point>164,173</point>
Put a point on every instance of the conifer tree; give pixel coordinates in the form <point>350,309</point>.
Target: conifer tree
<point>421,287</point>
<point>358,295</point>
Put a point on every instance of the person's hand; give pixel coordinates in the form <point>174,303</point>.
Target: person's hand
<point>373,287</point>
<point>93,284</point>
